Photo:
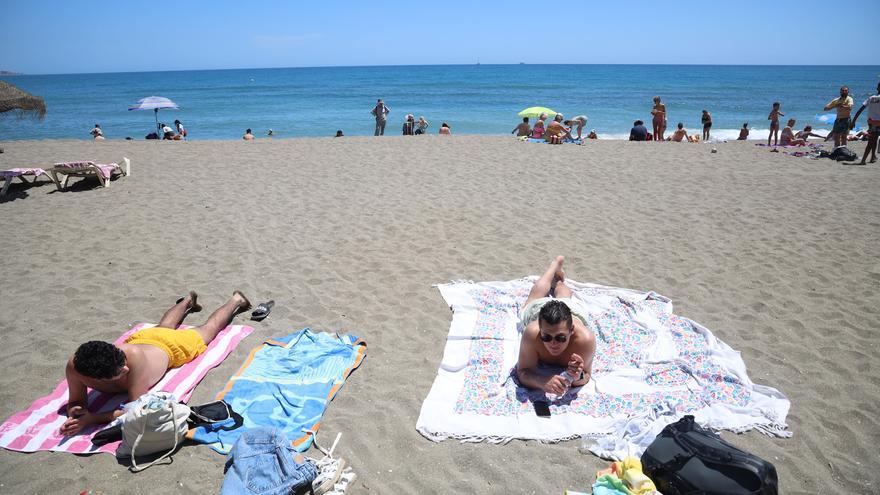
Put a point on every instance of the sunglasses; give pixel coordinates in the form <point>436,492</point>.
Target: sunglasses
<point>561,338</point>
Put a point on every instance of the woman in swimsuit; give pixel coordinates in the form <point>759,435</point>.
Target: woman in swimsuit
<point>706,119</point>
<point>788,138</point>
<point>659,121</point>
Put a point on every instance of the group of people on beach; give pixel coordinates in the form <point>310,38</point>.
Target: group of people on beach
<point>659,124</point>
<point>411,127</point>
<point>163,131</point>
<point>559,129</point>
<point>844,122</point>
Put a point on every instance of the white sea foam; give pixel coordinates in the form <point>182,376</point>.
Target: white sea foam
<point>716,134</point>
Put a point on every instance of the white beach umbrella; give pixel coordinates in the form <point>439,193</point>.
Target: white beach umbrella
<point>154,103</point>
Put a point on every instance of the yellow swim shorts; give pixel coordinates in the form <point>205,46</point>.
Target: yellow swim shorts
<point>182,346</point>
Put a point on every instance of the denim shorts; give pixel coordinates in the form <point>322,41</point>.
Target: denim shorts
<point>841,126</point>
<point>263,462</point>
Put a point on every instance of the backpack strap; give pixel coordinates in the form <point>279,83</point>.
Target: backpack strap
<point>134,467</point>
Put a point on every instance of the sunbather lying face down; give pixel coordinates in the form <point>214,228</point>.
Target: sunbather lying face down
<point>139,363</point>
<point>553,336</point>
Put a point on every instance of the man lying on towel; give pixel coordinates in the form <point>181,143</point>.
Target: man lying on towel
<point>552,337</point>
<point>139,363</point>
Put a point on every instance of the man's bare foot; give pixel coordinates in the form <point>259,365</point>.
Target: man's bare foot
<point>243,303</point>
<point>191,299</point>
<point>559,275</point>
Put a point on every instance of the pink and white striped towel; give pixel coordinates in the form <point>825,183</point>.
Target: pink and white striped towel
<point>18,172</point>
<point>37,427</point>
<point>77,165</point>
<point>105,169</point>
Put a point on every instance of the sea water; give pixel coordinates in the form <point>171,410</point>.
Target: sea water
<point>472,99</point>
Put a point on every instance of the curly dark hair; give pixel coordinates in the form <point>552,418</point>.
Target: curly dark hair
<point>555,311</point>
<point>96,359</point>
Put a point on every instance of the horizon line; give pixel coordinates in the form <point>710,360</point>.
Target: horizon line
<point>14,73</point>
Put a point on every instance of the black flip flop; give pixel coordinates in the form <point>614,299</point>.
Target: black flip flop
<point>194,309</point>
<point>262,311</point>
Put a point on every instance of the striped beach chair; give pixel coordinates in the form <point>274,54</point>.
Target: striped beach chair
<point>87,168</point>
<point>20,173</point>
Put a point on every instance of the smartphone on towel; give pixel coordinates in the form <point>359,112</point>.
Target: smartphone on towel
<point>542,409</point>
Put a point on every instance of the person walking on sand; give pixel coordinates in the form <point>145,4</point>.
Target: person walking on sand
<point>774,123</point>
<point>844,105</point>
<point>138,364</point>
<point>707,124</point>
<point>659,119</point>
<point>523,128</point>
<point>555,334</point>
<point>873,106</point>
<point>380,111</point>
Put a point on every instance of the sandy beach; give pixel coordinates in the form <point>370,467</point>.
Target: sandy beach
<point>777,255</point>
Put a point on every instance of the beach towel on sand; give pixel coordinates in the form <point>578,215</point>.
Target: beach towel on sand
<point>651,367</point>
<point>286,383</point>
<point>37,427</point>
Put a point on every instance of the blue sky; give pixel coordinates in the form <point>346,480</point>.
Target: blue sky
<point>45,37</point>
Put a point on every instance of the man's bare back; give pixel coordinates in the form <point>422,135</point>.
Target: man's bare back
<point>133,368</point>
<point>145,364</point>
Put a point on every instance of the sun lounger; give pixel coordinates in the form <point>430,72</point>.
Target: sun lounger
<point>104,172</point>
<point>8,175</point>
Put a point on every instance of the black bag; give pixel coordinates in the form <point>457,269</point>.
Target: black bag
<point>843,154</point>
<point>686,459</point>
